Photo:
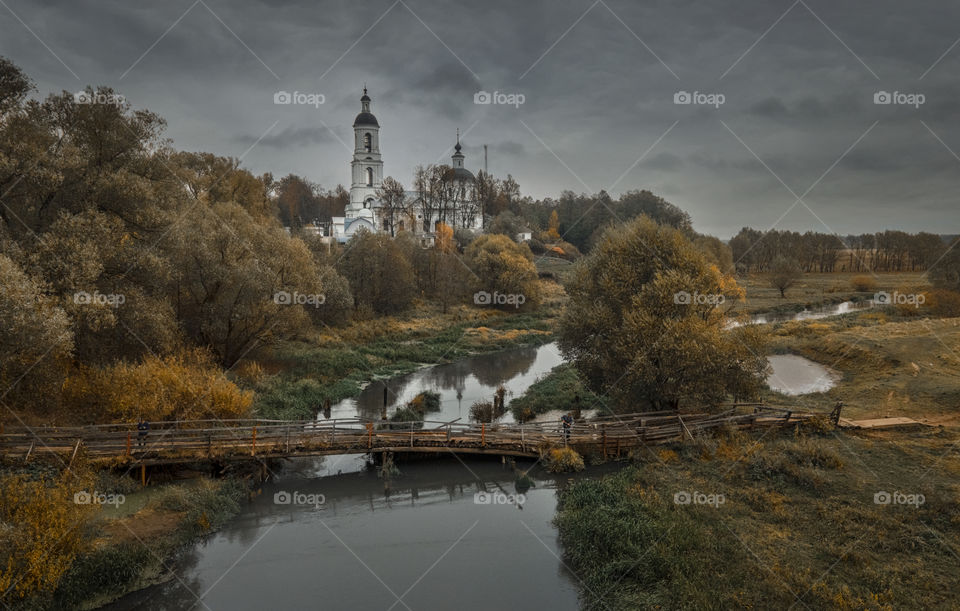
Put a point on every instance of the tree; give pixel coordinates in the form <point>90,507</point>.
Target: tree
<point>553,229</point>
<point>945,273</point>
<point>503,268</point>
<point>784,273</point>
<point>645,324</point>
<point>393,202</point>
<point>380,272</point>
<point>35,339</point>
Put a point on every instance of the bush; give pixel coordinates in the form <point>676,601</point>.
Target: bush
<point>564,460</point>
<point>863,284</point>
<point>485,411</point>
<point>943,303</point>
<point>185,386</point>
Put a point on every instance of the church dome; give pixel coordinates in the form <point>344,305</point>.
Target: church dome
<point>459,174</point>
<point>365,118</point>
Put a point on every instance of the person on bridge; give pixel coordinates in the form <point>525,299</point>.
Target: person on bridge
<point>143,428</point>
<point>567,421</point>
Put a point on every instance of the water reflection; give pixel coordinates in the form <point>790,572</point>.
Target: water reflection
<point>460,384</point>
<point>424,538</point>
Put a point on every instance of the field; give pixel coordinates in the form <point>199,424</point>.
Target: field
<point>782,521</point>
<point>815,289</point>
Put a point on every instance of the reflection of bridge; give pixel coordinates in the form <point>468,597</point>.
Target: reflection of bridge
<point>214,441</point>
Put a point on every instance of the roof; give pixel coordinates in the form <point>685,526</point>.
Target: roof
<point>366,118</point>
<point>459,174</point>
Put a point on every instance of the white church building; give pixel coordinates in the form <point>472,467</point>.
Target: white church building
<point>452,201</point>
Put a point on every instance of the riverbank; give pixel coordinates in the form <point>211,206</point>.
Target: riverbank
<point>133,537</point>
<point>300,376</point>
<point>799,518</point>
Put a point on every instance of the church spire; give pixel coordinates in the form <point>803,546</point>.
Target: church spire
<point>457,156</point>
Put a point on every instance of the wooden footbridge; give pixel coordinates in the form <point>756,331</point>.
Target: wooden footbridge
<point>225,440</point>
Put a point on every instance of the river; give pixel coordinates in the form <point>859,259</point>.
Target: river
<point>425,540</point>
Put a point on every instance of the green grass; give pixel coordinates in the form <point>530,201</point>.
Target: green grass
<point>556,390</point>
<point>798,522</point>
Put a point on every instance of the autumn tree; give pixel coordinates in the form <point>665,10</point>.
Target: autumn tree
<point>784,273</point>
<point>503,267</point>
<point>645,324</point>
<point>393,203</point>
<point>380,272</point>
<point>945,273</point>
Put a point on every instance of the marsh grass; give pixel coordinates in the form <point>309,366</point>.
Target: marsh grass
<point>799,523</point>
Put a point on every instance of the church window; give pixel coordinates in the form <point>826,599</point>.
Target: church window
<point>369,177</point>
<point>367,143</point>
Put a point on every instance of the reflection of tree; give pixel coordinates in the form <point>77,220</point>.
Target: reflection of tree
<point>494,369</point>
<point>449,377</point>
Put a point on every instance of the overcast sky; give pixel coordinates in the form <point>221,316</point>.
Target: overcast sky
<point>599,81</point>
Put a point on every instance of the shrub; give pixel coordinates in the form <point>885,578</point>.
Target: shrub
<point>485,411</point>
<point>564,460</point>
<point>943,303</point>
<point>863,283</point>
<point>184,386</point>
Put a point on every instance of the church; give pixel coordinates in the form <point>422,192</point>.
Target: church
<point>450,198</point>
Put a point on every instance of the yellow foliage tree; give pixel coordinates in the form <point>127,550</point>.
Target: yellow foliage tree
<point>42,532</point>
<point>184,386</point>
<point>553,231</point>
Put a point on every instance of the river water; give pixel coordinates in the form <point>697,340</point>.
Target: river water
<point>421,542</point>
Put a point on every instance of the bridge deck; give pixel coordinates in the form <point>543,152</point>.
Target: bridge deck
<point>212,440</point>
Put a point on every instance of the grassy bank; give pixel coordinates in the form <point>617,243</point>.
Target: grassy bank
<point>135,544</point>
<point>333,364</point>
<point>556,390</point>
<point>796,524</point>
<point>891,365</point>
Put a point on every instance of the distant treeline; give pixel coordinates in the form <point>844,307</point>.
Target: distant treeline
<point>887,251</point>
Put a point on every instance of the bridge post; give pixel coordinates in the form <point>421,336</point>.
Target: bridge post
<point>369,435</point>
<point>483,434</point>
<point>127,453</point>
<point>603,431</point>
<point>253,447</point>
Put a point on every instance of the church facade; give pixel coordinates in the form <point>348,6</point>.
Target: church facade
<point>449,198</point>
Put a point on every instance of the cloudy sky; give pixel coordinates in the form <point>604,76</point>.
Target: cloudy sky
<point>784,130</point>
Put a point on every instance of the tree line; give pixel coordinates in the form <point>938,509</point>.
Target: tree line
<point>887,251</point>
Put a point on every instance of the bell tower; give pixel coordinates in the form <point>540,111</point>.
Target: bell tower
<point>366,167</point>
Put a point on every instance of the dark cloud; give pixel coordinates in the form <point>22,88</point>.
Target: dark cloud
<point>596,96</point>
